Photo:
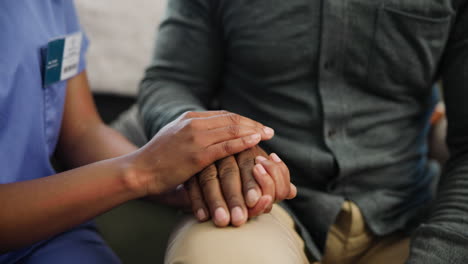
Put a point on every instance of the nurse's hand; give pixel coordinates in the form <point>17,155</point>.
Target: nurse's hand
<point>188,145</point>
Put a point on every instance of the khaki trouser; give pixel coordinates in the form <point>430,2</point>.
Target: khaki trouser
<point>271,238</point>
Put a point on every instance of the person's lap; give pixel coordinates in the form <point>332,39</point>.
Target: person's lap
<point>272,238</point>
<point>268,238</point>
<point>79,245</point>
<point>350,241</point>
<point>392,249</point>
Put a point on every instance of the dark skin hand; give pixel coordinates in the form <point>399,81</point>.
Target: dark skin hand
<point>109,170</point>
<point>240,187</point>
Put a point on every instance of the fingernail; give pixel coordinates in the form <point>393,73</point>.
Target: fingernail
<point>201,215</point>
<point>268,131</point>
<point>237,215</point>
<point>260,169</point>
<point>221,216</point>
<point>260,159</point>
<point>252,197</point>
<point>275,157</point>
<point>254,138</point>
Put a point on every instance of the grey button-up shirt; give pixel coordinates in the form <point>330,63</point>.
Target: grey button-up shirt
<point>347,85</point>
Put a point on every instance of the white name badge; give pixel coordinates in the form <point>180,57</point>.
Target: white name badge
<point>63,58</point>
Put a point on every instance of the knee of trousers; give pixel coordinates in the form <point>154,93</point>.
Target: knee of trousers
<point>265,239</point>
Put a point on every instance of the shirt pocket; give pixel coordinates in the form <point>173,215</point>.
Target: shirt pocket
<point>407,50</point>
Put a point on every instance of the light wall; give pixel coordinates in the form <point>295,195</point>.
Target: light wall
<point>122,34</point>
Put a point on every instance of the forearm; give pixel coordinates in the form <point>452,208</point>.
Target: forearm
<point>444,236</point>
<point>84,138</point>
<point>443,239</point>
<point>101,142</point>
<point>38,209</point>
<point>97,142</point>
<point>186,69</point>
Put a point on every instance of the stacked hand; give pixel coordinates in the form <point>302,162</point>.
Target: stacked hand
<point>188,145</point>
<point>227,187</point>
<point>240,187</point>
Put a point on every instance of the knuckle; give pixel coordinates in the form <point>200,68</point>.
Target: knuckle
<point>208,171</point>
<point>235,119</point>
<point>275,171</point>
<point>233,130</point>
<point>205,182</point>
<point>197,201</point>
<point>246,162</point>
<point>246,154</point>
<point>227,147</point>
<point>245,142</point>
<point>250,183</point>
<point>228,172</point>
<point>207,176</point>
<point>228,161</point>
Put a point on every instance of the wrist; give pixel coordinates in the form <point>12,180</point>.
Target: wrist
<point>133,178</point>
<point>142,176</point>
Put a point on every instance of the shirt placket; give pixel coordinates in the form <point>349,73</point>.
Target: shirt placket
<point>330,83</point>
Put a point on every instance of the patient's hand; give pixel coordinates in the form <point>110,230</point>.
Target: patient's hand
<point>240,187</point>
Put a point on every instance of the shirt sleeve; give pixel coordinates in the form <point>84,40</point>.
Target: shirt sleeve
<point>444,237</point>
<point>84,49</point>
<point>73,26</point>
<point>185,69</point>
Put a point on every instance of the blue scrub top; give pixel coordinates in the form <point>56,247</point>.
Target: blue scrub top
<point>30,114</point>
